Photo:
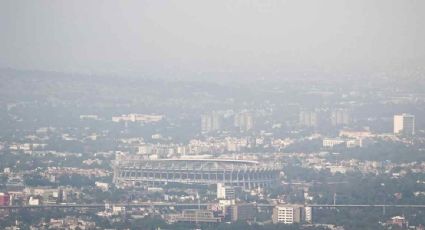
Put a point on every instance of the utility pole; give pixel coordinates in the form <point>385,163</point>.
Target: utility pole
<point>335,198</point>
<point>199,201</point>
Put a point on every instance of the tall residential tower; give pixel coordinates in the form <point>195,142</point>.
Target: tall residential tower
<point>404,124</point>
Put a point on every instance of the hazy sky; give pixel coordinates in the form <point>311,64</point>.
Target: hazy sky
<point>197,36</point>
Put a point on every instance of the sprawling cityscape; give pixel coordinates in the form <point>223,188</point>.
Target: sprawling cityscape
<point>202,115</point>
<point>176,155</point>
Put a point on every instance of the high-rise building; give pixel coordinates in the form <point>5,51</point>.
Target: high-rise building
<point>225,192</point>
<point>206,123</point>
<point>404,124</point>
<point>309,119</point>
<point>340,117</point>
<point>244,121</point>
<point>287,214</point>
<point>308,214</point>
<point>210,122</point>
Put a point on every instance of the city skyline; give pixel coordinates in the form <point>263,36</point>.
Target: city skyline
<point>201,115</point>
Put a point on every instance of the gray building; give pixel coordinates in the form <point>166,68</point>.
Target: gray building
<point>197,216</point>
<point>243,212</point>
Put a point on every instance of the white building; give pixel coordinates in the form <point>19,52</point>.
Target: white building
<point>331,142</point>
<point>354,143</point>
<point>144,149</point>
<point>116,210</point>
<point>103,186</point>
<point>244,121</point>
<point>340,117</point>
<point>89,117</point>
<point>211,122</point>
<point>33,201</point>
<point>308,214</point>
<point>309,118</point>
<point>337,169</point>
<point>132,117</point>
<point>225,192</point>
<point>404,124</point>
<point>287,214</point>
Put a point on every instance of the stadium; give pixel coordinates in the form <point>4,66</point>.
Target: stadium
<point>241,173</point>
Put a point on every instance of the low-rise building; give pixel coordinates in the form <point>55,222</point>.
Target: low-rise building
<point>4,199</point>
<point>197,216</point>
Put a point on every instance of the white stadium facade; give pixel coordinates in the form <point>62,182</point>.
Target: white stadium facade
<point>242,173</point>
